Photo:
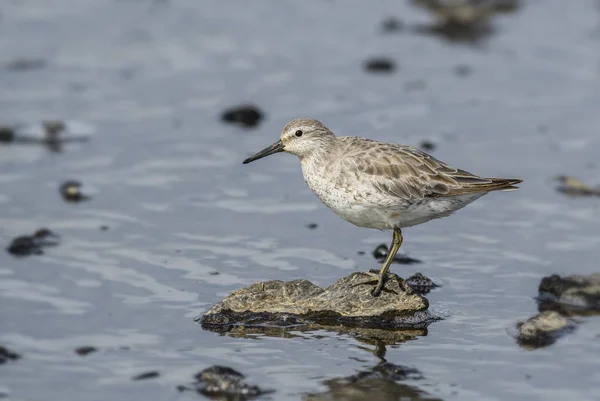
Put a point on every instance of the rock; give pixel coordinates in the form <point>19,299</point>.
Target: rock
<point>392,24</point>
<point>380,383</point>
<point>573,187</point>
<point>85,350</point>
<point>570,295</point>
<point>381,252</point>
<point>7,355</point>
<point>245,115</point>
<point>427,145</point>
<point>146,375</point>
<point>221,382</point>
<point>420,283</point>
<point>543,329</point>
<point>380,65</point>
<point>7,134</point>
<point>32,244</point>
<point>300,302</point>
<point>75,191</point>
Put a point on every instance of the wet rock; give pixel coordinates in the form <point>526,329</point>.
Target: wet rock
<point>300,302</point>
<point>221,382</point>
<point>543,329</point>
<point>25,64</point>
<point>392,24</point>
<point>75,191</point>
<point>85,350</point>
<point>33,244</point>
<point>312,226</point>
<point>573,187</point>
<point>381,252</point>
<point>427,145</point>
<point>146,375</point>
<point>7,355</point>
<point>570,295</point>
<point>246,115</point>
<point>380,65</point>
<point>380,383</point>
<point>421,284</point>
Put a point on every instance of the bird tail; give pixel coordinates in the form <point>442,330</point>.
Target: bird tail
<point>486,185</point>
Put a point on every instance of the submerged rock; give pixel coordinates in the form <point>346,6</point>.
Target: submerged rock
<point>246,115</point>
<point>146,375</point>
<point>380,383</point>
<point>570,295</point>
<point>421,284</point>
<point>33,244</point>
<point>379,65</point>
<point>300,302</point>
<point>543,329</point>
<point>85,350</point>
<point>7,355</point>
<point>381,252</point>
<point>221,382</point>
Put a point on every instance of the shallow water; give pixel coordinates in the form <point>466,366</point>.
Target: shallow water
<point>152,77</point>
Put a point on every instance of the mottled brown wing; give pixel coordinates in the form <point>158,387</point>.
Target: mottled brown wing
<point>408,173</point>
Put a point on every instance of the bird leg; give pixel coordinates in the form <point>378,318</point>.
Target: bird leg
<point>380,278</point>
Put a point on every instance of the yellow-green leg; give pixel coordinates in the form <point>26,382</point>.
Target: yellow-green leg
<point>380,278</point>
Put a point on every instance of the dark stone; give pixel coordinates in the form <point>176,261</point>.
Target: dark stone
<point>74,191</point>
<point>147,375</point>
<point>7,134</point>
<point>380,65</point>
<point>7,355</point>
<point>312,226</point>
<point>427,145</point>
<point>32,244</point>
<point>221,382</point>
<point>381,252</point>
<point>420,283</point>
<point>300,302</point>
<point>570,295</point>
<point>392,24</point>
<point>85,350</point>
<point>246,115</point>
<point>543,329</point>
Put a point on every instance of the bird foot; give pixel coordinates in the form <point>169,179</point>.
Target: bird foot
<point>373,277</point>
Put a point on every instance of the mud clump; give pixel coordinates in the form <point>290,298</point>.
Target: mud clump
<point>573,187</point>
<point>7,355</point>
<point>247,116</point>
<point>381,252</point>
<point>380,65</point>
<point>421,284</point>
<point>27,245</point>
<point>570,295</point>
<point>346,302</point>
<point>543,329</point>
<point>85,350</point>
<point>146,375</point>
<point>221,382</point>
<point>380,383</point>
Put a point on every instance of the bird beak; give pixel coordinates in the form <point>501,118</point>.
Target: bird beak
<point>275,148</point>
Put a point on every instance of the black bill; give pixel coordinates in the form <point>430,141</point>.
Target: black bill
<point>275,148</point>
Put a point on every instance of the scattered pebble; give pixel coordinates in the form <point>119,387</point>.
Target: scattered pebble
<point>312,226</point>
<point>381,252</point>
<point>573,187</point>
<point>246,115</point>
<point>7,355</point>
<point>32,244</point>
<point>75,191</point>
<point>85,350</point>
<point>221,382</point>
<point>392,24</point>
<point>147,375</point>
<point>427,145</point>
<point>421,284</point>
<point>543,329</point>
<point>380,65</point>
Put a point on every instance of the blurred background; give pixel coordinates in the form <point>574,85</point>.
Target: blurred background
<point>123,124</point>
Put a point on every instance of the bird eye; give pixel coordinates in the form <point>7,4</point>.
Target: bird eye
<point>299,133</point>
